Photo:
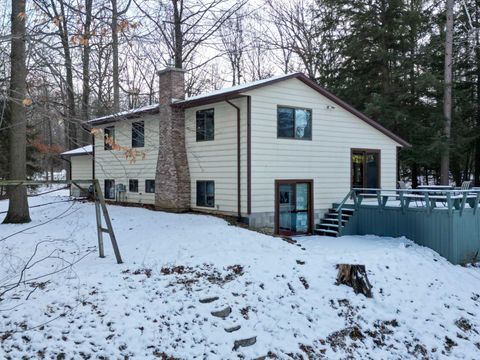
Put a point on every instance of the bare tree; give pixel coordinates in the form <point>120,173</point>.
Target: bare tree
<point>186,25</point>
<point>116,28</point>
<point>447,94</point>
<point>233,41</point>
<point>86,47</point>
<point>18,211</point>
<point>303,33</point>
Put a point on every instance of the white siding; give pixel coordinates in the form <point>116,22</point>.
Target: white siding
<point>111,164</point>
<point>325,159</point>
<point>81,167</point>
<point>217,160</point>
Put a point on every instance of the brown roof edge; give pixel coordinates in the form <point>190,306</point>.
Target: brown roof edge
<point>306,80</point>
<point>352,110</point>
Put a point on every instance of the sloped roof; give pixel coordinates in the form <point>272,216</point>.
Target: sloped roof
<point>236,88</point>
<point>84,150</point>
<point>128,114</point>
<point>240,90</point>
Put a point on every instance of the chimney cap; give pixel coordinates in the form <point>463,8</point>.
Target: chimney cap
<point>170,69</point>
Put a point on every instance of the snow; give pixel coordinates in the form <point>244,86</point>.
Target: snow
<point>81,150</point>
<point>235,88</point>
<point>282,293</point>
<point>125,113</point>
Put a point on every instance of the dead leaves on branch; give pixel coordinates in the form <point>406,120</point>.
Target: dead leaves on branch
<point>130,153</point>
<point>27,102</point>
<point>22,15</point>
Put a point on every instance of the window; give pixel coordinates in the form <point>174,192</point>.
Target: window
<point>109,186</point>
<point>138,134</point>
<point>294,123</point>
<point>206,193</point>
<point>149,186</point>
<point>133,186</point>
<point>109,137</point>
<point>205,125</point>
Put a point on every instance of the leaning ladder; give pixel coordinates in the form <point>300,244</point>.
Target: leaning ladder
<point>100,204</point>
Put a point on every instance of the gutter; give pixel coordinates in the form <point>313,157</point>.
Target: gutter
<point>239,207</point>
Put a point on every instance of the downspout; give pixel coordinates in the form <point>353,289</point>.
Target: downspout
<point>239,207</point>
<point>93,157</point>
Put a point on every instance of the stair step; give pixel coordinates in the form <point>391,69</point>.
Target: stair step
<point>334,213</point>
<point>326,231</point>
<point>334,220</point>
<point>328,225</point>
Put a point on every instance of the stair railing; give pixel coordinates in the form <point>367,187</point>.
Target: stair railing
<point>339,208</point>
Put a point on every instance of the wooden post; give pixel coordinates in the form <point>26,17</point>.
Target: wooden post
<point>109,228</point>
<point>99,204</point>
<point>101,251</point>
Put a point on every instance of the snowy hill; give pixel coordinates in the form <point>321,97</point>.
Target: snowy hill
<point>159,303</point>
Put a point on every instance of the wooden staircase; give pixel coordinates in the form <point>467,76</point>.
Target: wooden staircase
<point>329,225</point>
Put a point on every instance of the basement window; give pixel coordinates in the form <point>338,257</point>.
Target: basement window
<point>133,186</point>
<point>108,137</point>
<point>294,123</point>
<point>150,186</point>
<point>138,134</point>
<point>205,125</point>
<point>206,193</point>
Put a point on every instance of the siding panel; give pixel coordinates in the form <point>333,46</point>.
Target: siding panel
<point>217,160</point>
<point>110,164</point>
<point>325,159</point>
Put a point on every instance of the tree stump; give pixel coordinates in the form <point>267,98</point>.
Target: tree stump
<point>354,276</point>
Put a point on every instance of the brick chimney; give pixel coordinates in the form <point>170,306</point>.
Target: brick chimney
<point>172,178</point>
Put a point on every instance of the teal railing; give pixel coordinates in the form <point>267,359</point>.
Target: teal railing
<point>427,199</point>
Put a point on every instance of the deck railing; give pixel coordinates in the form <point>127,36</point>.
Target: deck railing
<point>427,199</point>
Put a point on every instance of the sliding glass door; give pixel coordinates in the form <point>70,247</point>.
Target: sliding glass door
<point>293,206</point>
<point>365,165</point>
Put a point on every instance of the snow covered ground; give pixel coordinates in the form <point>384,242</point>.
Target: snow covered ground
<point>282,294</point>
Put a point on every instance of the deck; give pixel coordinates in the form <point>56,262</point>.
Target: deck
<point>446,221</point>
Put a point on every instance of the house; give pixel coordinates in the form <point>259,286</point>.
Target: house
<point>275,153</point>
<point>81,166</point>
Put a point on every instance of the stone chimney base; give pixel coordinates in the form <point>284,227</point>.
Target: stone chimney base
<point>172,179</point>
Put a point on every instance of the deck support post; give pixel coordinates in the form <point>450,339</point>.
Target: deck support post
<point>379,199</point>
<point>355,199</point>
<point>464,202</point>
<point>449,204</point>
<point>427,202</point>
<point>475,206</point>
<point>402,201</point>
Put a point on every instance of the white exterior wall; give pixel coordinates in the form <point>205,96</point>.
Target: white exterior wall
<point>81,167</point>
<point>111,164</point>
<point>217,159</point>
<point>325,158</point>
<point>81,170</point>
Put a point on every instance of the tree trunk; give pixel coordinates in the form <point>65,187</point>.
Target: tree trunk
<point>356,277</point>
<point>18,211</point>
<point>70,122</point>
<point>414,175</point>
<point>85,138</point>
<point>177,26</point>
<point>447,94</point>
<point>115,70</point>
<point>477,140</point>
